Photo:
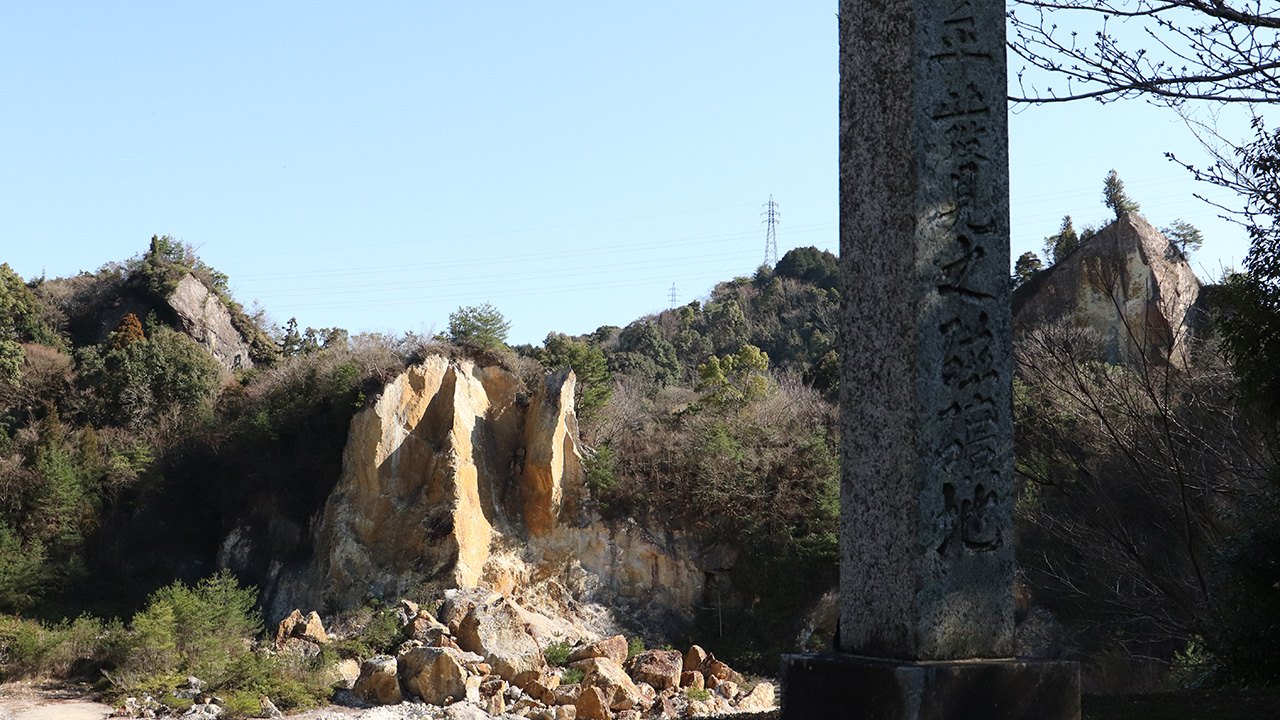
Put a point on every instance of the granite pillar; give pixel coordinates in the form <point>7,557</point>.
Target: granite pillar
<point>927,494</point>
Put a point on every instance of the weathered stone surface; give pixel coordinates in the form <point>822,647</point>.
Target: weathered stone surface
<point>926,417</point>
<point>647,695</point>
<point>1128,285</point>
<point>437,675</point>
<point>343,673</point>
<point>834,685</point>
<point>308,628</point>
<point>415,499</point>
<point>609,677</point>
<point>434,489</point>
<point>694,659</point>
<point>593,705</point>
<point>378,683</point>
<point>727,689</point>
<point>720,671</point>
<point>760,699</point>
<point>568,694</point>
<point>659,668</point>
<point>664,709</point>
<point>552,469</point>
<point>407,610</point>
<point>495,631</point>
<point>614,648</point>
<point>202,317</point>
<point>692,679</point>
<point>539,684</point>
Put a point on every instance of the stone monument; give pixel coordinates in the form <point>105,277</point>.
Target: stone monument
<point>926,537</point>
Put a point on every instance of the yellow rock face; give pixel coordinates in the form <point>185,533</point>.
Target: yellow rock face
<point>453,479</point>
<point>429,472</point>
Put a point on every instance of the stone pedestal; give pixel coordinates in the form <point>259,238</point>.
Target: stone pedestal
<point>834,686</point>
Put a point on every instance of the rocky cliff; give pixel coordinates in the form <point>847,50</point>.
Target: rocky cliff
<point>201,315</point>
<point>454,478</point>
<point>191,308</point>
<point>1129,284</point>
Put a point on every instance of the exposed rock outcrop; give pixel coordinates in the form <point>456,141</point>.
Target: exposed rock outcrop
<point>1129,284</point>
<point>190,308</point>
<point>453,478</point>
<point>205,320</point>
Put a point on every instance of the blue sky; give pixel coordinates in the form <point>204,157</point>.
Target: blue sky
<point>375,168</point>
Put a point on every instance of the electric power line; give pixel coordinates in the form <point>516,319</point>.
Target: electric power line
<point>674,295</point>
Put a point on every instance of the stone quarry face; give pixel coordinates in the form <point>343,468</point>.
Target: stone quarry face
<point>453,478</point>
<point>1128,285</point>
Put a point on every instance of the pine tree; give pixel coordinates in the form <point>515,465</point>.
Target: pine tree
<point>1114,196</point>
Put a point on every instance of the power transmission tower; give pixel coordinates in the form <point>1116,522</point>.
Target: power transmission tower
<point>771,234</point>
<point>674,295</point>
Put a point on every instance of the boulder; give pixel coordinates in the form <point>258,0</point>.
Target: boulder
<point>664,709</point>
<point>492,690</point>
<point>592,705</point>
<point>727,689</point>
<point>568,694</point>
<point>343,674</point>
<point>203,711</point>
<point>659,668</point>
<point>495,631</point>
<point>647,694</point>
<point>694,659</point>
<point>425,628</point>
<point>296,626</point>
<point>437,675</point>
<point>539,684</point>
<point>760,699</point>
<point>406,611</point>
<point>614,648</point>
<point>721,671</point>
<point>692,679</point>
<point>268,709</point>
<point>378,683</point>
<point>608,676</point>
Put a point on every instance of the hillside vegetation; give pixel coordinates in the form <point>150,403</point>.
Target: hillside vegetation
<point>126,449</point>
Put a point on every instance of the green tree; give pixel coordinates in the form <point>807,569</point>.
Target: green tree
<point>1057,247</point>
<point>645,352</point>
<point>11,358</point>
<point>481,326</point>
<point>595,382</point>
<point>736,379</point>
<point>1027,265</point>
<point>1114,196</point>
<point>810,265</point>
<point>1183,234</point>
<point>146,379</point>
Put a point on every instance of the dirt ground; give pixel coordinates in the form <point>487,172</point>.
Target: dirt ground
<point>47,701</point>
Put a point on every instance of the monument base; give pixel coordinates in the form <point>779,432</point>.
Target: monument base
<point>835,685</point>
